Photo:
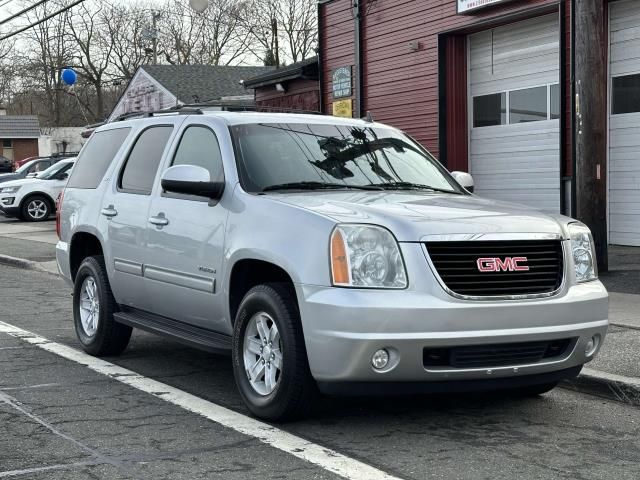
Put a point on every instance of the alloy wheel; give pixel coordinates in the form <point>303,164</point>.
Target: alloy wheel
<point>262,352</point>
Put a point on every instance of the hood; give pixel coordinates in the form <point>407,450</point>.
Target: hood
<point>411,216</point>
<point>5,177</point>
<point>22,181</point>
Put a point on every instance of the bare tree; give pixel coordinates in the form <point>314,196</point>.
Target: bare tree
<point>299,27</point>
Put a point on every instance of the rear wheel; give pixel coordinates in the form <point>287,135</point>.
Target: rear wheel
<point>35,209</point>
<point>269,355</point>
<point>93,309</point>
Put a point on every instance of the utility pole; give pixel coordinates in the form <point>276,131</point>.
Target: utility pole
<point>154,22</point>
<point>590,132</point>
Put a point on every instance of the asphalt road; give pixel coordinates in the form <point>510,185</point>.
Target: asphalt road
<point>61,420</point>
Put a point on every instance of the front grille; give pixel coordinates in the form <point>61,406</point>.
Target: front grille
<point>456,264</point>
<point>486,356</point>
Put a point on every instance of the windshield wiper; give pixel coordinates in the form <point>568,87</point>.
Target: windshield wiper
<point>411,186</point>
<point>319,186</point>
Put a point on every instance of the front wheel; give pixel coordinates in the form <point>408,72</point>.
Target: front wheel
<point>93,309</point>
<point>269,356</point>
<point>35,209</point>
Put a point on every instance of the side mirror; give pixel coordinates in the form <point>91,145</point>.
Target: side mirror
<point>32,175</point>
<point>464,179</point>
<point>191,180</point>
<point>62,176</point>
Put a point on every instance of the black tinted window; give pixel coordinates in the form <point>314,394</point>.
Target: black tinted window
<point>199,146</point>
<point>95,158</point>
<point>625,93</point>
<point>490,110</point>
<point>528,105</point>
<point>144,158</point>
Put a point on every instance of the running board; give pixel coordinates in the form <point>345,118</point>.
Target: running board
<point>191,335</point>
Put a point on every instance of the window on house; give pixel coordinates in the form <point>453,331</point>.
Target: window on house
<point>625,94</point>
<point>490,110</point>
<point>528,105</point>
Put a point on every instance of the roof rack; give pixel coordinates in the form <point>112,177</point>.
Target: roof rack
<point>179,110</point>
<point>230,107</point>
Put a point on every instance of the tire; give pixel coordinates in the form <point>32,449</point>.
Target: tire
<point>36,208</point>
<point>102,335</point>
<point>534,390</point>
<point>294,390</point>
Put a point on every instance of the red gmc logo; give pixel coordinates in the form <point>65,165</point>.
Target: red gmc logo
<point>508,264</point>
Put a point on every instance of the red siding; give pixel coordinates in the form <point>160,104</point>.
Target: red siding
<point>456,104</point>
<point>300,95</point>
<point>400,85</point>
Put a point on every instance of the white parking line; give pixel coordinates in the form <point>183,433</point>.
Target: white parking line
<point>323,457</point>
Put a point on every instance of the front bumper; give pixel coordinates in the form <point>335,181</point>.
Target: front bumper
<point>10,211</point>
<point>344,327</point>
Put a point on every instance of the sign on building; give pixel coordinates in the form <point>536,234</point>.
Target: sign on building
<point>341,80</point>
<point>465,6</point>
<point>343,108</point>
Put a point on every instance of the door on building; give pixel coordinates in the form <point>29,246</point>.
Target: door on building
<point>624,123</point>
<point>514,107</point>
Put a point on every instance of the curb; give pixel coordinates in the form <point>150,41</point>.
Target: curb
<point>25,264</point>
<point>608,385</point>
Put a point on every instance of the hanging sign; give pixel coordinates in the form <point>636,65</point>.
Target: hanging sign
<point>343,108</point>
<point>465,6</point>
<point>341,80</point>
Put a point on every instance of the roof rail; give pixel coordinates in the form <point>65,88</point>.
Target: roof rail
<point>180,110</point>
<point>249,108</point>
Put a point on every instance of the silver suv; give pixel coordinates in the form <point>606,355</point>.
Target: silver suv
<point>323,254</point>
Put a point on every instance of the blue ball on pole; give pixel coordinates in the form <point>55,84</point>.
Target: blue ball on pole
<point>69,76</point>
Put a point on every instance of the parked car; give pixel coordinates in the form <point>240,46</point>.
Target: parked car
<point>322,253</point>
<point>33,199</point>
<point>29,170</point>
<point>6,165</point>
<point>53,158</point>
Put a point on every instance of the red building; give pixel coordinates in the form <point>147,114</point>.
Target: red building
<point>486,86</point>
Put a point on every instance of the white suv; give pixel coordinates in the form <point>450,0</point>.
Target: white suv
<point>34,199</point>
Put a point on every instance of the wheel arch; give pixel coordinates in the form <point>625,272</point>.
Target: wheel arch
<point>83,244</point>
<point>247,273</point>
<point>51,201</point>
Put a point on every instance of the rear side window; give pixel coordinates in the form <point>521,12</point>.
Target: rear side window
<point>96,156</point>
<point>144,158</point>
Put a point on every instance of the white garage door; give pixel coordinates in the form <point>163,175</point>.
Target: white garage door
<point>624,123</point>
<point>514,110</point>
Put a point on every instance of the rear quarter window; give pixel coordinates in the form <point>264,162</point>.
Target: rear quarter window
<point>96,156</point>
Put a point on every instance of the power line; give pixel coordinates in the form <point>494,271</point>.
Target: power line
<point>5,3</point>
<point>48,17</point>
<point>24,10</point>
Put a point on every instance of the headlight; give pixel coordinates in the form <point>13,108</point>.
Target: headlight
<point>366,256</point>
<point>9,189</point>
<point>584,255</point>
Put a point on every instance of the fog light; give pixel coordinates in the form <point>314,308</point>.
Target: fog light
<point>592,345</point>
<point>380,359</point>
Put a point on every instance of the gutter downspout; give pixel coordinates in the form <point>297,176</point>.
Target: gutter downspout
<point>321,108</point>
<point>357,46</point>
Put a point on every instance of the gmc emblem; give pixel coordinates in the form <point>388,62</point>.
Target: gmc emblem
<point>508,264</point>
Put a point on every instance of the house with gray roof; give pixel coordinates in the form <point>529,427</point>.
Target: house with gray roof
<point>157,87</point>
<point>18,136</point>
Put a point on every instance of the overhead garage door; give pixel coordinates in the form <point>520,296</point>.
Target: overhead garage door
<point>624,123</point>
<point>514,111</point>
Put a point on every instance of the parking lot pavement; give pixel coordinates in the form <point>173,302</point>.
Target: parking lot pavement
<point>83,424</point>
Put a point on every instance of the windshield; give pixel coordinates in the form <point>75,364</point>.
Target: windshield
<point>303,156</point>
<point>26,166</point>
<point>54,169</point>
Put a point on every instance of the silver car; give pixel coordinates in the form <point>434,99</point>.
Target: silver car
<point>324,254</point>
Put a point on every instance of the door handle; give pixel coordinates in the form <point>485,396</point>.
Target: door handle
<point>109,211</point>
<point>160,220</point>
